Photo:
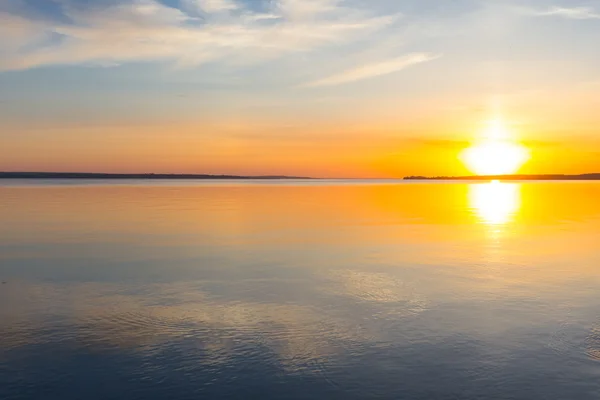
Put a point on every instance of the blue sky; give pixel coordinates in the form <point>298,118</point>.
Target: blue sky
<point>256,72</point>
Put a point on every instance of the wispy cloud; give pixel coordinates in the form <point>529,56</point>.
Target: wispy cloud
<point>198,32</point>
<point>572,13</point>
<point>375,69</point>
<point>295,9</point>
<point>212,6</point>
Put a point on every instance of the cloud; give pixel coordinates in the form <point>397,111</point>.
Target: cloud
<point>572,13</point>
<point>109,33</point>
<point>299,9</point>
<point>374,70</point>
<point>213,6</point>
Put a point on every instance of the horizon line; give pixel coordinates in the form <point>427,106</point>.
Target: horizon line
<point>167,176</point>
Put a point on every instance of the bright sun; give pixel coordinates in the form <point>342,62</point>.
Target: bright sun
<point>495,153</point>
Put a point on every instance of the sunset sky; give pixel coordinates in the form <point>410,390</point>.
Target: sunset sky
<point>325,88</point>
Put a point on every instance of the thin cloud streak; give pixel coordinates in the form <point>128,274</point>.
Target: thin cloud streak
<point>213,6</point>
<point>571,13</point>
<point>375,70</point>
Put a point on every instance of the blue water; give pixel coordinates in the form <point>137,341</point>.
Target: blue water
<point>299,290</point>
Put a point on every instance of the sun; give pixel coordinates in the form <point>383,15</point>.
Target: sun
<point>495,153</point>
<point>494,157</point>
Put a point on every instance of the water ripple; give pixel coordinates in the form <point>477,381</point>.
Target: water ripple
<point>592,344</point>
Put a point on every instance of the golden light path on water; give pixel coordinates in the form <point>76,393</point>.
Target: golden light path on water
<point>495,203</point>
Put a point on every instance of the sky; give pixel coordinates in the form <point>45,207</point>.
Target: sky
<point>323,88</point>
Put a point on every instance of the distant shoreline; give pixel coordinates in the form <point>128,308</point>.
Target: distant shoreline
<point>520,177</point>
<point>148,176</point>
<point>153,176</point>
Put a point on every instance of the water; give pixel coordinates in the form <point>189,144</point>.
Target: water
<point>299,290</point>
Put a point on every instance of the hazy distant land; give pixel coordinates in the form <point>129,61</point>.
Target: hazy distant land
<point>94,175</point>
<point>544,177</point>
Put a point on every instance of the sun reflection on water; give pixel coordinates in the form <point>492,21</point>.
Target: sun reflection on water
<point>495,203</point>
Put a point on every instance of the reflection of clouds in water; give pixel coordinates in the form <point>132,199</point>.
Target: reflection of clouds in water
<point>300,338</point>
<point>91,314</point>
<point>100,317</point>
<point>378,288</point>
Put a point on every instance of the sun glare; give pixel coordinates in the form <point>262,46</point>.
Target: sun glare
<point>495,153</point>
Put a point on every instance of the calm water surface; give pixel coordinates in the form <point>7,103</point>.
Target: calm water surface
<point>299,290</point>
